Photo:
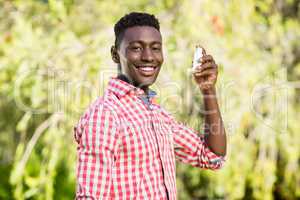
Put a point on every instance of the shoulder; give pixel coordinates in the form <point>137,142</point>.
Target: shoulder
<point>100,111</point>
<point>101,107</point>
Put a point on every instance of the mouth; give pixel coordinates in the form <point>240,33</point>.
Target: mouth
<point>146,70</point>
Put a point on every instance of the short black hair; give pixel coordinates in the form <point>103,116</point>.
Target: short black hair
<point>133,19</point>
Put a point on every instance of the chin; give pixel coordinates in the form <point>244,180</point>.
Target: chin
<point>147,82</point>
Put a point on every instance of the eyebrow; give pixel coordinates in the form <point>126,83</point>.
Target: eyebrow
<point>143,42</point>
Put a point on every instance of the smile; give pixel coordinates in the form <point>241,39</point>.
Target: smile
<point>146,70</point>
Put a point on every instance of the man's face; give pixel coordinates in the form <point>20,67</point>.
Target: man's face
<point>141,55</point>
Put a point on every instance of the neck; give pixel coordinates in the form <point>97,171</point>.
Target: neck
<point>146,89</point>
<point>127,80</point>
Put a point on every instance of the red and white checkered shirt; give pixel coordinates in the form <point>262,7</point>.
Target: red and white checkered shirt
<point>127,148</point>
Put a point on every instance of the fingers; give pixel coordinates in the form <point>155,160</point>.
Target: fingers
<point>207,72</point>
<point>206,66</point>
<point>206,58</point>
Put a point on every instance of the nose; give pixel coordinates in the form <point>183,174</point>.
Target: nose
<point>147,55</point>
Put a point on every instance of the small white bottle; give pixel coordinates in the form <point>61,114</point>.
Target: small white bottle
<point>197,57</point>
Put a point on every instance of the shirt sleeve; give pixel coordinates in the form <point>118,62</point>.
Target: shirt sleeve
<point>191,148</point>
<point>96,135</point>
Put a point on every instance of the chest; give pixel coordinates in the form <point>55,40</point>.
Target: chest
<point>146,133</point>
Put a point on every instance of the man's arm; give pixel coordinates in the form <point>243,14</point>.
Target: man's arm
<point>215,136</point>
<point>206,77</point>
<point>96,138</point>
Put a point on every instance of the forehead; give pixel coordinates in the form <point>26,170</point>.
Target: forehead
<point>145,34</point>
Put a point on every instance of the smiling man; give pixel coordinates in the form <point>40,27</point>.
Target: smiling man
<point>139,54</point>
<point>127,143</point>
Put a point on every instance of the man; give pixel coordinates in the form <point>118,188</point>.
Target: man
<point>127,144</point>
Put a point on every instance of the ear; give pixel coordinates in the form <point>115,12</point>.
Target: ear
<point>114,54</point>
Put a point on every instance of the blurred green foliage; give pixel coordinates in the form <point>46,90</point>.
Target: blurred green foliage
<point>55,60</point>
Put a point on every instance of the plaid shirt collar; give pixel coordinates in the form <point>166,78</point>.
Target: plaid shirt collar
<point>121,88</point>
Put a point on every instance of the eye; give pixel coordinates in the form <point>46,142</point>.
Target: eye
<point>156,48</point>
<point>136,48</point>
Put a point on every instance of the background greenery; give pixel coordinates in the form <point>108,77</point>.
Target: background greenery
<point>55,60</point>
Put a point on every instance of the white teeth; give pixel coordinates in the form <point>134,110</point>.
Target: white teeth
<point>146,68</point>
